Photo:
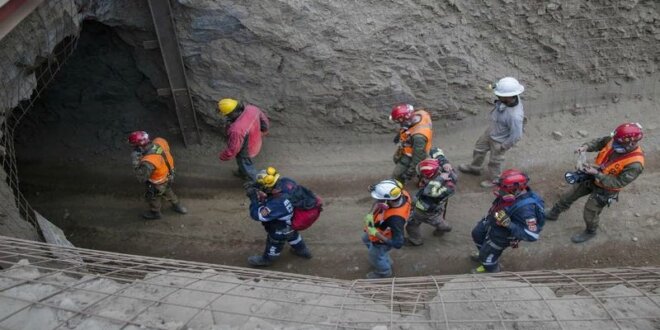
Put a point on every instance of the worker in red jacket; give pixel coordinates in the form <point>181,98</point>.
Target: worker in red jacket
<point>247,124</point>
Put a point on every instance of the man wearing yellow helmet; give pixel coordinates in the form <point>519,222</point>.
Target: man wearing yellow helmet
<point>276,201</point>
<point>245,126</point>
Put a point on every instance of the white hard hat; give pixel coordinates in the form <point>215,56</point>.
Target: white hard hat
<point>386,190</point>
<point>508,86</point>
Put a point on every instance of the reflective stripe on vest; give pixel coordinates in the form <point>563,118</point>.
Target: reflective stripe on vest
<point>155,157</point>
<point>616,165</point>
<point>380,217</point>
<point>424,127</point>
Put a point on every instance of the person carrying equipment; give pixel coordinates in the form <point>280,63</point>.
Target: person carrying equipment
<point>619,162</point>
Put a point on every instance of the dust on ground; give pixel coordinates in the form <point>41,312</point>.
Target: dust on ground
<point>96,200</point>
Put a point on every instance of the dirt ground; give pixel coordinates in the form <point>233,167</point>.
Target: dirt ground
<point>94,197</point>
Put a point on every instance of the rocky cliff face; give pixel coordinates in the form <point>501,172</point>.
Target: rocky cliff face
<point>344,63</point>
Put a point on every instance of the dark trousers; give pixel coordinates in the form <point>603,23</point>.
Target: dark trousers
<point>279,233</point>
<point>156,192</point>
<point>491,240</point>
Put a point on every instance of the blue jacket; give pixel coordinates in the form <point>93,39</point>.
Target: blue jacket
<point>275,208</point>
<point>527,216</point>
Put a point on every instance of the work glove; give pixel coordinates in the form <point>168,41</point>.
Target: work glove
<point>369,224</point>
<point>581,149</point>
<point>502,219</point>
<point>397,138</point>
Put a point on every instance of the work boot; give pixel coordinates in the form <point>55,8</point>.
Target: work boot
<point>260,261</point>
<point>414,242</point>
<point>303,253</point>
<point>468,169</point>
<point>441,228</point>
<point>374,275</point>
<point>482,270</point>
<point>178,208</point>
<point>487,184</point>
<point>552,214</point>
<point>583,236</point>
<point>151,215</point>
<point>474,256</point>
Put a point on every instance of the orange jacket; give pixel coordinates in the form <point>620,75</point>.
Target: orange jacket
<point>380,217</point>
<point>156,156</point>
<point>424,127</point>
<point>614,165</point>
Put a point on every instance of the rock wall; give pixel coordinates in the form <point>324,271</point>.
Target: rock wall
<point>22,53</point>
<point>344,63</point>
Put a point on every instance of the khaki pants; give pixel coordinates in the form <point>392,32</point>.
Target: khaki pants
<point>156,192</point>
<point>483,145</point>
<point>598,199</point>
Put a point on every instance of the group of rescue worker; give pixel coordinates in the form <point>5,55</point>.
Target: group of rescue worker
<point>517,213</point>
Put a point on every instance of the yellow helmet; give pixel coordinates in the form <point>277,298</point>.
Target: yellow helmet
<point>227,106</point>
<point>268,178</point>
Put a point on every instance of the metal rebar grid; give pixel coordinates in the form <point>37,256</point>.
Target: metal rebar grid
<point>47,39</point>
<point>124,291</point>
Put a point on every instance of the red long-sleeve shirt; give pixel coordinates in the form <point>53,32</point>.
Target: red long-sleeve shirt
<point>249,123</point>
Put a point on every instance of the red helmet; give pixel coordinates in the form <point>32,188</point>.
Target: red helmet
<point>401,112</point>
<point>428,168</point>
<point>627,133</point>
<point>138,139</point>
<point>512,181</point>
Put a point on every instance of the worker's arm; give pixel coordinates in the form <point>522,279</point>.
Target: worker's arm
<point>278,208</point>
<point>515,130</point>
<point>143,171</point>
<point>527,227</point>
<point>597,144</point>
<point>419,153</point>
<point>396,224</point>
<point>627,175</point>
<point>234,144</point>
<point>264,122</point>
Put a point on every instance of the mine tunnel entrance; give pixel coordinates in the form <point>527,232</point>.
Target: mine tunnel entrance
<point>74,168</point>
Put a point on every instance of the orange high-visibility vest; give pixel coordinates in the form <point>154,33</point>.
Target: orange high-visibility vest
<point>157,156</point>
<point>615,165</point>
<point>424,127</point>
<point>379,217</point>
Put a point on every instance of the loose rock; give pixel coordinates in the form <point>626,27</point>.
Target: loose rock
<point>557,135</point>
<point>583,133</point>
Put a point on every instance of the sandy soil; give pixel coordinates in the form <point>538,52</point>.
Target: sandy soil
<point>93,196</point>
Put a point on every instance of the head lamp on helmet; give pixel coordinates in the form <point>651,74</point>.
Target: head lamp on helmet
<point>268,178</point>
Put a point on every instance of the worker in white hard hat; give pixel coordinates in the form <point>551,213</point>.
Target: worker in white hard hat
<point>504,131</point>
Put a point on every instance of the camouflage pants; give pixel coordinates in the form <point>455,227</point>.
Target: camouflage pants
<point>401,166</point>
<point>156,192</point>
<point>483,145</point>
<point>598,199</point>
<point>418,217</point>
